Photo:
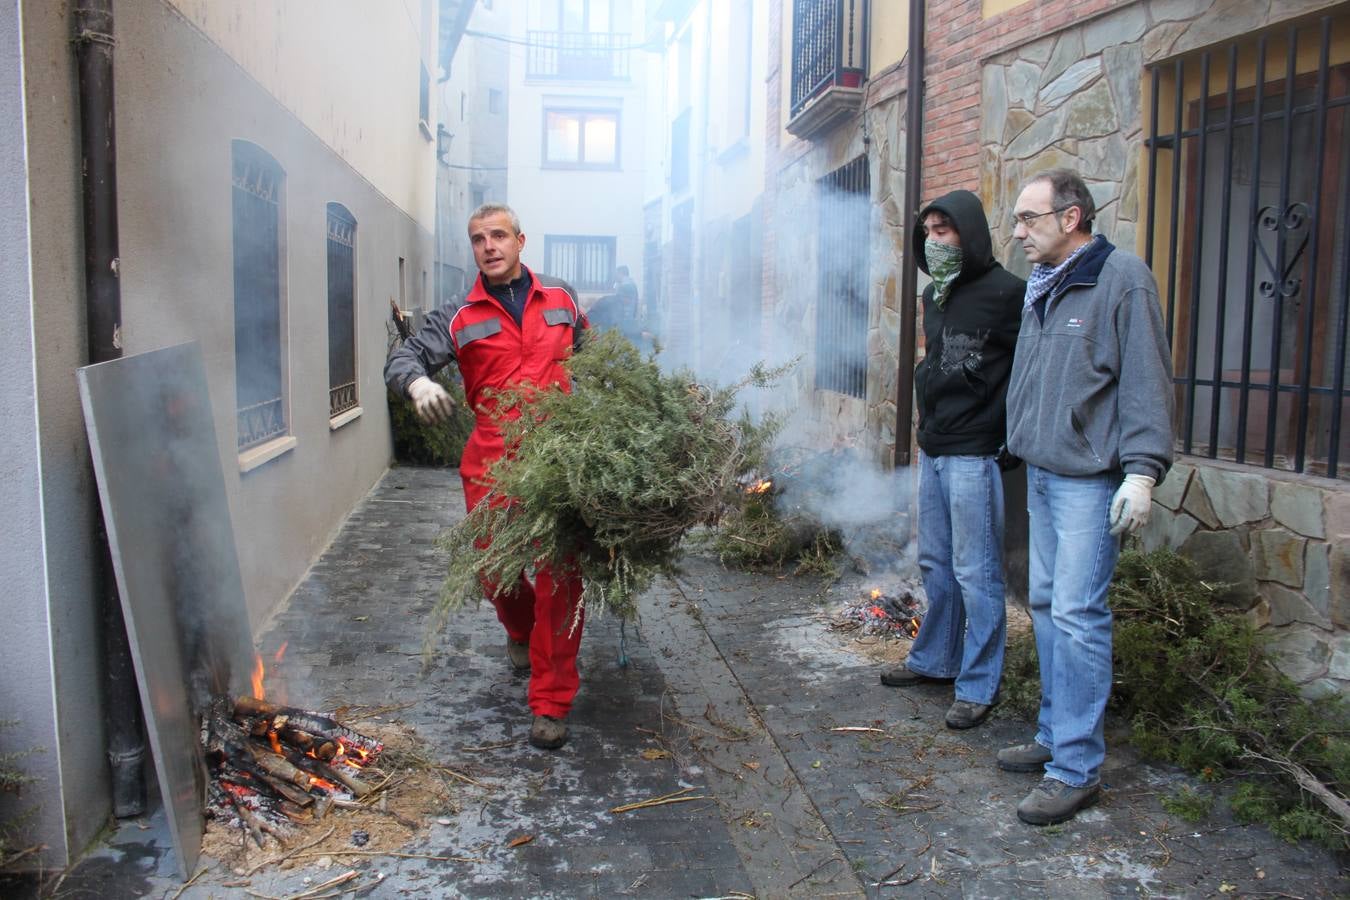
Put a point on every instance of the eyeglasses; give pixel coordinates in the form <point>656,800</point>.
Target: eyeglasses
<point>1025,219</point>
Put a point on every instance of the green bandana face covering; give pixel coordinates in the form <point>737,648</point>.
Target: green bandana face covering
<point>944,264</point>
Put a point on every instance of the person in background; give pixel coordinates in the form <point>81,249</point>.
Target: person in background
<point>619,310</point>
<point>513,328</point>
<point>971,312</point>
<point>1095,443</point>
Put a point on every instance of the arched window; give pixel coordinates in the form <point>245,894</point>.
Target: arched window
<point>342,394</point>
<point>259,357</point>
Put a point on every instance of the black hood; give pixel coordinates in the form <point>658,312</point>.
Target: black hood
<point>967,214</point>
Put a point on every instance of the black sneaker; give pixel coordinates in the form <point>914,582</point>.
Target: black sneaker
<point>1024,758</point>
<point>903,677</point>
<point>1052,802</point>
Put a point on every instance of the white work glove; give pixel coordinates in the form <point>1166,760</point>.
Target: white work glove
<point>432,402</point>
<point>1130,506</point>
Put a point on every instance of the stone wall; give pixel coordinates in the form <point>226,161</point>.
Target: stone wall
<point>826,418</point>
<point>1279,544</point>
<point>1074,98</point>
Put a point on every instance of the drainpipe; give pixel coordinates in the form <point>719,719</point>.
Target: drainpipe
<point>93,38</point>
<point>909,274</point>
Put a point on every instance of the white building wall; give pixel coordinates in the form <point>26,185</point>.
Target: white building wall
<point>349,71</point>
<point>334,99</point>
<point>575,202</point>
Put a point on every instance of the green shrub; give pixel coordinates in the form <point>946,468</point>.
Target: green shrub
<point>1193,682</point>
<point>757,536</point>
<point>1189,804</point>
<point>419,444</point>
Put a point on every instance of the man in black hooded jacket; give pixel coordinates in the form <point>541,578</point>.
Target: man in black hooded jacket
<point>971,315</point>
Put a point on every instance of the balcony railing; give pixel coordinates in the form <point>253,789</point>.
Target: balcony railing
<point>577,55</point>
<point>829,48</point>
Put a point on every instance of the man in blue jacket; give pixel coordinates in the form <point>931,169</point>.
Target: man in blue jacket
<point>1096,441</point>
<point>971,313</point>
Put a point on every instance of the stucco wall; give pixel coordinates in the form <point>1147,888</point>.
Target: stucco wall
<point>69,499</point>
<point>889,36</point>
<point>348,70</point>
<point>177,279</point>
<point>180,101</point>
<point>27,678</point>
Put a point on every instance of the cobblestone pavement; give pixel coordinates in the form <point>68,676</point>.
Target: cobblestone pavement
<point>739,677</point>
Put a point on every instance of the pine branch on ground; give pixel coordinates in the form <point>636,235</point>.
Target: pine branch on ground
<point>1193,681</point>
<point>607,479</point>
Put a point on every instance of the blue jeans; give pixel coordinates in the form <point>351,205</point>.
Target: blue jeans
<point>1072,558</point>
<point>961,558</point>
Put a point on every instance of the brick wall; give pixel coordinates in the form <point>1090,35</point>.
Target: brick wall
<point>958,39</point>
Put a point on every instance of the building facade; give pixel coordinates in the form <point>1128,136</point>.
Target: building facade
<point>703,217</point>
<point>575,155</point>
<point>276,181</point>
<point>1212,134</point>
<point>474,96</point>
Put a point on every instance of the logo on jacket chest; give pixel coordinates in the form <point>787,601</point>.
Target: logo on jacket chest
<point>1076,322</point>
<point>961,349</point>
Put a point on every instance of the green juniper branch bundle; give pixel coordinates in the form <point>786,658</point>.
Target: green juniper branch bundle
<point>1194,681</point>
<point>608,478</point>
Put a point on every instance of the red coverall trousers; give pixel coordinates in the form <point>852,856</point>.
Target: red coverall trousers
<point>494,352</point>
<point>540,614</point>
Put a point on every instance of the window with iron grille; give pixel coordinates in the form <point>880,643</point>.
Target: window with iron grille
<point>829,47</point>
<point>342,394</point>
<point>843,240</point>
<point>586,263</point>
<point>581,139</point>
<point>1248,177</point>
<point>257,182</point>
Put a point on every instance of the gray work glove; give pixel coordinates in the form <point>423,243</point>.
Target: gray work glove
<point>431,401</point>
<point>1130,506</point>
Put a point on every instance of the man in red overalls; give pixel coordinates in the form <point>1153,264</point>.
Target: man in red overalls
<point>513,328</point>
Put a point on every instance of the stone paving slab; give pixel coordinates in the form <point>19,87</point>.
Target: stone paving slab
<point>739,677</point>
<point>931,798</point>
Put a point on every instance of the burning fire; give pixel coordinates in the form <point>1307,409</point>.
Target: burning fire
<point>258,672</point>
<point>316,781</point>
<point>281,652</point>
<point>351,754</point>
<point>882,613</point>
<point>760,487</point>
